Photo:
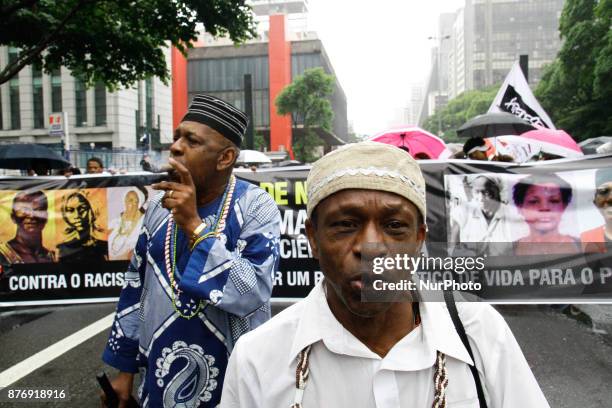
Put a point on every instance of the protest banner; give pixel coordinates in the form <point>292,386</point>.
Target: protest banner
<point>475,209</point>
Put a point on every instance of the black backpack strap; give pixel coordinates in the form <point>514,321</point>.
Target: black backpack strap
<point>449,299</point>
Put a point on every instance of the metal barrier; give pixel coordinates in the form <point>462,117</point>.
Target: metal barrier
<point>120,160</point>
<point>117,160</point>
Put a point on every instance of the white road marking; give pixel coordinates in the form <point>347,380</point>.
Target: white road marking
<point>32,363</point>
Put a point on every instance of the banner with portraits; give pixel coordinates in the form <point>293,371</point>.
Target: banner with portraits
<point>543,230</point>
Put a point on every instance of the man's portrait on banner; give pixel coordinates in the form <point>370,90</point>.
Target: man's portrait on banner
<point>82,227</point>
<point>479,212</point>
<point>597,235</point>
<point>28,228</point>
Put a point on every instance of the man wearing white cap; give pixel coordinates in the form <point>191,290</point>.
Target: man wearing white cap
<point>333,350</point>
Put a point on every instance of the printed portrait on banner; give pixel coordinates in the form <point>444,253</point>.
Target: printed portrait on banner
<point>514,214</point>
<point>547,205</point>
<point>126,208</point>
<point>28,227</point>
<point>595,209</point>
<point>82,227</point>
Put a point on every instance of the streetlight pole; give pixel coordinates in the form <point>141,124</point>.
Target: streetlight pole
<point>439,75</point>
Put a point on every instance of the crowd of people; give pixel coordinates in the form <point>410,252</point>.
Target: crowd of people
<point>192,318</point>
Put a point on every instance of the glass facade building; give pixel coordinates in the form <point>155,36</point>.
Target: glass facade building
<point>220,71</point>
<point>224,78</point>
<point>486,37</point>
<point>503,30</point>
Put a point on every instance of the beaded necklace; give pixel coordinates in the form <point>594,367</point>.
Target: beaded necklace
<point>171,240</point>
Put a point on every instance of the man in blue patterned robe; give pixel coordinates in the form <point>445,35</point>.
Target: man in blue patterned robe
<point>201,274</point>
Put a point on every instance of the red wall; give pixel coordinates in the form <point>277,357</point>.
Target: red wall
<point>179,87</point>
<point>279,61</point>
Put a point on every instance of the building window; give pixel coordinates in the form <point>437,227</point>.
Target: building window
<point>100,102</point>
<point>80,96</point>
<point>56,90</point>
<point>149,103</point>
<point>13,54</point>
<point>37,96</point>
<point>14,102</point>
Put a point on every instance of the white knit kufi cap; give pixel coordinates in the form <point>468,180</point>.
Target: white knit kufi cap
<point>369,166</point>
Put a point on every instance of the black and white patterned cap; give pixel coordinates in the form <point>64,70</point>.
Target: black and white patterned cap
<point>219,115</point>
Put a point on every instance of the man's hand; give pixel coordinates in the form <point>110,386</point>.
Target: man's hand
<point>180,198</point>
<point>122,384</point>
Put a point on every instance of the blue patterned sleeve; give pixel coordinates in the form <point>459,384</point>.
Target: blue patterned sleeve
<point>122,346</point>
<point>239,281</point>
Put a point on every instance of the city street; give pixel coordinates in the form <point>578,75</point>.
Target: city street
<point>179,154</point>
<point>572,363</point>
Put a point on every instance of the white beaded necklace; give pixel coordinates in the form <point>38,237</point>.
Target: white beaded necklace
<point>171,239</point>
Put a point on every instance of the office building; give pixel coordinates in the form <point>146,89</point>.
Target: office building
<point>96,117</point>
<point>485,38</point>
<point>490,35</point>
<point>436,88</point>
<point>283,49</point>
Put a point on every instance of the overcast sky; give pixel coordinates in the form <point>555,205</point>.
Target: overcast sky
<point>377,48</point>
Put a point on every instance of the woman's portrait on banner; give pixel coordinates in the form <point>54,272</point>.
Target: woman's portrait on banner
<point>82,225</point>
<point>126,207</point>
<point>542,201</point>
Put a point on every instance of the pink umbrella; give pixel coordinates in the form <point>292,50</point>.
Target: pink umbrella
<point>418,142</point>
<point>557,142</point>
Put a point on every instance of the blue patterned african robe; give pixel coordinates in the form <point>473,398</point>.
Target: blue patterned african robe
<point>182,361</point>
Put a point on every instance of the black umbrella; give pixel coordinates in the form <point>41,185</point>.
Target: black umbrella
<point>494,124</point>
<point>27,155</point>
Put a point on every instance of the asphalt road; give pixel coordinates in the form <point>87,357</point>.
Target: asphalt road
<point>572,363</point>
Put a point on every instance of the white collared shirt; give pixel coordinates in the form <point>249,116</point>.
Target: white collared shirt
<point>345,373</point>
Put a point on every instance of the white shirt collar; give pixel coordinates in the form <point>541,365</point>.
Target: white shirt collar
<point>416,351</point>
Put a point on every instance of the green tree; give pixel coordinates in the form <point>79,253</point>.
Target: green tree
<point>576,89</point>
<point>306,99</point>
<point>458,110</point>
<point>114,41</point>
<point>259,142</point>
